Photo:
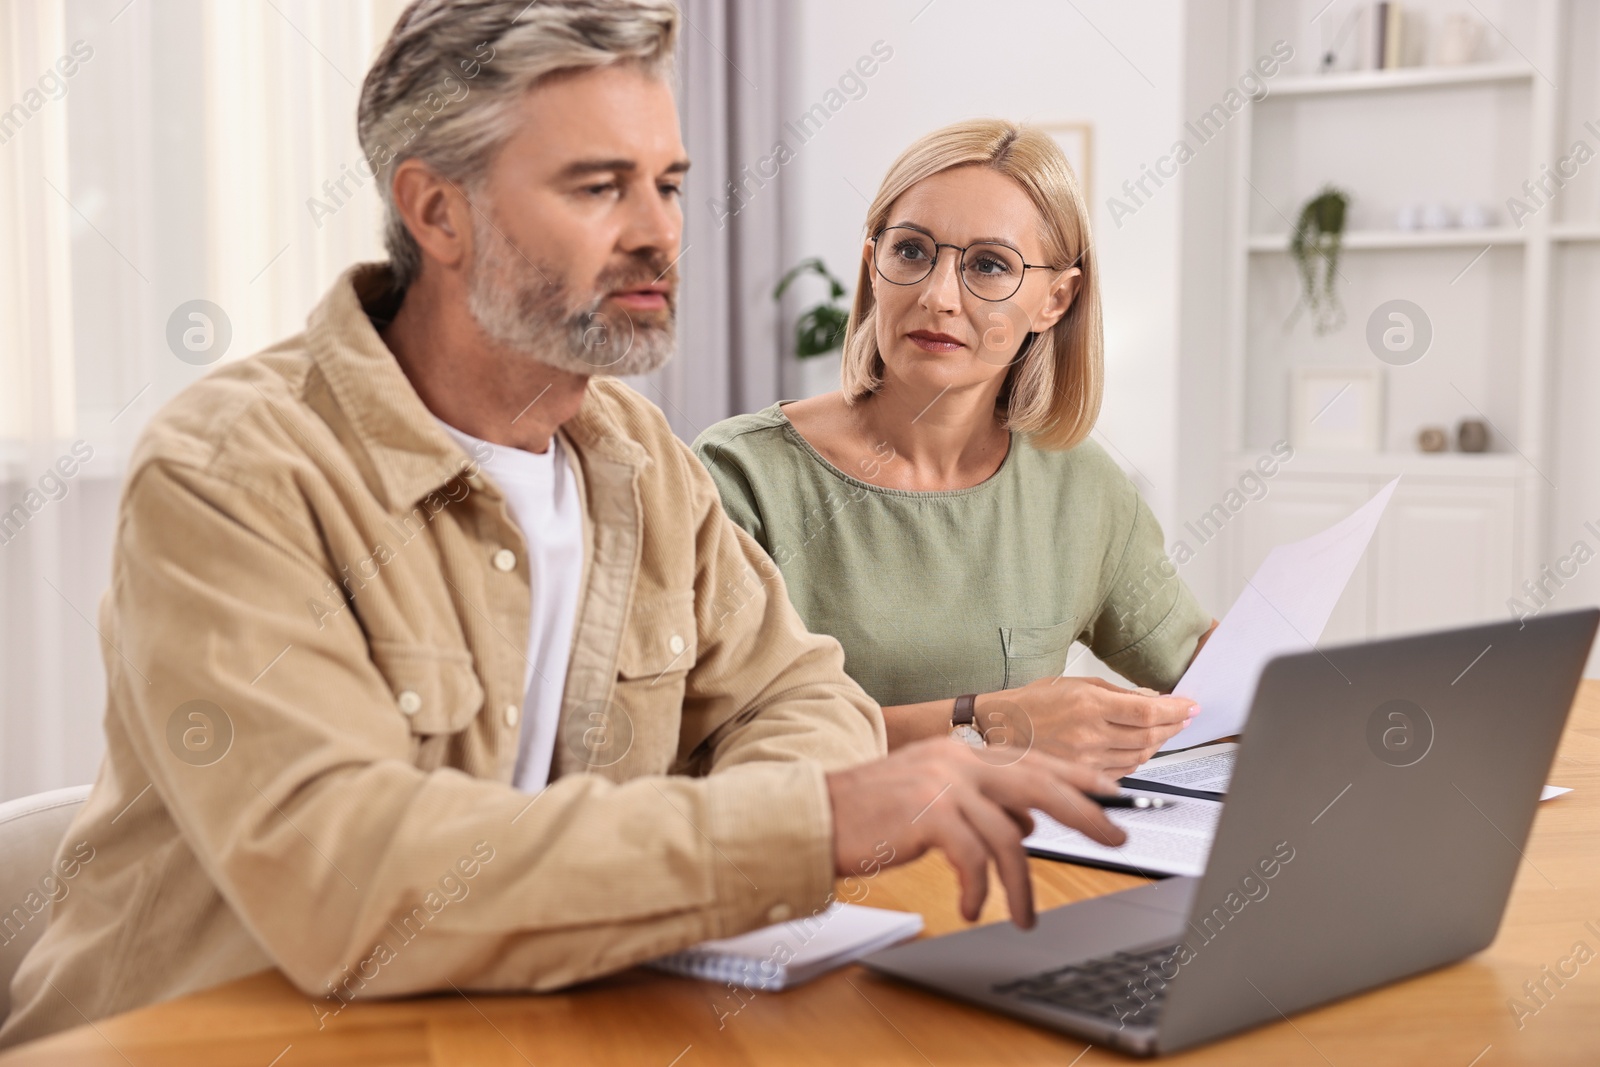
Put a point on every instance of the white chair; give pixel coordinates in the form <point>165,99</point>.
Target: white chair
<point>31,830</point>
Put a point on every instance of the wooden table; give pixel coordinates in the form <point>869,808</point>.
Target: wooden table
<point>1460,1016</point>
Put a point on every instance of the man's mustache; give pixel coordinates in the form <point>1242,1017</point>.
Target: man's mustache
<point>647,269</point>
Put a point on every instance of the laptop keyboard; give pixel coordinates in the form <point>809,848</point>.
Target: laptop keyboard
<point>1123,987</point>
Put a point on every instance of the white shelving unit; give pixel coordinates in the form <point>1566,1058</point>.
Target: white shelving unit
<point>1575,232</point>
<point>1378,81</point>
<point>1464,530</point>
<point>1370,240</point>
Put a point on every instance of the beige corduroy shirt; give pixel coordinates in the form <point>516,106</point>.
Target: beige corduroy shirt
<point>315,644</point>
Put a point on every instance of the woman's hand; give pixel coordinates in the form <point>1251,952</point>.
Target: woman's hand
<point>1086,721</point>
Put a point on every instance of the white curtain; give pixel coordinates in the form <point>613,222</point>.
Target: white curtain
<point>733,73</point>
<point>37,417</point>
<point>153,154</point>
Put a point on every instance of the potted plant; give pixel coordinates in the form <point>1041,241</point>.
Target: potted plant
<point>820,328</point>
<point>1315,244</point>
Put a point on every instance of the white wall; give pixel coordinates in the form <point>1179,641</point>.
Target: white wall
<point>1203,314</point>
<point>1117,66</point>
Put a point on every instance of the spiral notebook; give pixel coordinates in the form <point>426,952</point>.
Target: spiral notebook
<point>777,957</point>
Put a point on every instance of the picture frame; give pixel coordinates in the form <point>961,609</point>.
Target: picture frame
<point>1336,409</point>
<point>1077,143</point>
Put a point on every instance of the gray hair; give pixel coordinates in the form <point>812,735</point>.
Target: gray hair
<point>413,101</point>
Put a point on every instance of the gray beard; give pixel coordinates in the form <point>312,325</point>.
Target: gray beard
<point>529,308</point>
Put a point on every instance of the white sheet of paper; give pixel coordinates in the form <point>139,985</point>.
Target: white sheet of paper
<point>1284,607</point>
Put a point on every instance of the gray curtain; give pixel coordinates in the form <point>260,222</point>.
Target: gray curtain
<point>732,82</point>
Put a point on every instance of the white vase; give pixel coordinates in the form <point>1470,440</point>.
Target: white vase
<point>1436,216</point>
<point>1476,217</point>
<point>1460,41</point>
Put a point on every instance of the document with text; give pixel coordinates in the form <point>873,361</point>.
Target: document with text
<point>1202,771</point>
<point>1171,840</point>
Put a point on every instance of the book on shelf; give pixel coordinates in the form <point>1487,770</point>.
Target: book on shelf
<point>1387,37</point>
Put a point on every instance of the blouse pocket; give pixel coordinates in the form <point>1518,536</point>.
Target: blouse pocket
<point>1034,652</point>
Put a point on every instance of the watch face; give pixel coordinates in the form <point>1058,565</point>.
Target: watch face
<point>967,734</point>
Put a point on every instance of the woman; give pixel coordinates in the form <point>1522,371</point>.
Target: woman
<point>944,515</point>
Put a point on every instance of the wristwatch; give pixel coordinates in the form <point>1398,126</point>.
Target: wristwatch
<point>962,723</point>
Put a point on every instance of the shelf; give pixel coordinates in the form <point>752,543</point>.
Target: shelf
<point>1575,231</point>
<point>1367,81</point>
<point>1494,465</point>
<point>1357,240</point>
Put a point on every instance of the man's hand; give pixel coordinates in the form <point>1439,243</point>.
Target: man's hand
<point>1084,720</point>
<point>941,794</point>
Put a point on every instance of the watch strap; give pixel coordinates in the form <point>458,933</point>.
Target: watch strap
<point>966,712</point>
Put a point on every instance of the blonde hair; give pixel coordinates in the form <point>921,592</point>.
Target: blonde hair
<point>1052,392</point>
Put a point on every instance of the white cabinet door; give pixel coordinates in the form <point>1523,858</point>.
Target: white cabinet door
<point>1295,507</point>
<point>1445,556</point>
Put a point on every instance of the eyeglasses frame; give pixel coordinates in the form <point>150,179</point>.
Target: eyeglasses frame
<point>962,249</point>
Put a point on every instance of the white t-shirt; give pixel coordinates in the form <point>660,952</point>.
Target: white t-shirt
<point>542,492</point>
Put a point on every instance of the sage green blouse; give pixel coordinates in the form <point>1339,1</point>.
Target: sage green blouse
<point>970,591</point>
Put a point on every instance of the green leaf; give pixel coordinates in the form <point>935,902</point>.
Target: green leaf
<point>820,330</point>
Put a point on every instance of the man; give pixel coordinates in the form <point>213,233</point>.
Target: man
<point>433,661</point>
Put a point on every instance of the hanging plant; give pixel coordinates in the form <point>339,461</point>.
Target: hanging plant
<point>1315,247</point>
<point>820,328</point>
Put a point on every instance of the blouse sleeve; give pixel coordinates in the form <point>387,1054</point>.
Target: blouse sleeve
<point>1149,624</point>
<point>733,485</point>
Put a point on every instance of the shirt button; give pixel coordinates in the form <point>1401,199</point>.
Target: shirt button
<point>675,642</point>
<point>504,560</point>
<point>410,702</point>
<point>513,713</point>
<point>779,913</point>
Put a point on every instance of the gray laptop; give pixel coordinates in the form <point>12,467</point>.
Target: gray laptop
<point>1373,827</point>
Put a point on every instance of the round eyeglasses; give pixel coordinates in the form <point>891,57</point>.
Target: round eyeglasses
<point>904,256</point>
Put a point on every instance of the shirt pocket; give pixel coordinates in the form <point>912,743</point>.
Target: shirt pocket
<point>659,646</point>
<point>435,689</point>
<point>659,640</point>
<point>1034,652</point>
